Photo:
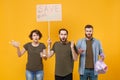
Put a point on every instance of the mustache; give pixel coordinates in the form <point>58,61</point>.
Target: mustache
<point>88,34</point>
<point>63,39</point>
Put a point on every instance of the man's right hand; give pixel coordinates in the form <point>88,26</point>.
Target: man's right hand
<point>49,41</point>
<point>80,50</point>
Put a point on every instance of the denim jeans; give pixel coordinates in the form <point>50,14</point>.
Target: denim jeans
<point>89,75</point>
<point>34,75</point>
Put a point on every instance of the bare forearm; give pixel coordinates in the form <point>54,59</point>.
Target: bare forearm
<point>19,52</point>
<point>74,54</point>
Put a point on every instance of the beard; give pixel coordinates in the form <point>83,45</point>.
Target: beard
<point>63,40</point>
<point>88,36</point>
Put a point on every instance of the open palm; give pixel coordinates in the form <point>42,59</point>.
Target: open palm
<point>15,43</point>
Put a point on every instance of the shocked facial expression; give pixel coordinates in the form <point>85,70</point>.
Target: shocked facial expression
<point>35,37</point>
<point>63,36</point>
<point>88,32</point>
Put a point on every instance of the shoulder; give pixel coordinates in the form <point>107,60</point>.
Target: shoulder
<point>96,40</point>
<point>28,43</point>
<point>42,44</point>
<point>57,42</point>
<point>80,40</point>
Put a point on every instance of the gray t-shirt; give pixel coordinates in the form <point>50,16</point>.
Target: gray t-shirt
<point>34,60</point>
<point>64,60</point>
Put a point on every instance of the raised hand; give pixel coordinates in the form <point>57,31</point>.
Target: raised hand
<point>80,50</point>
<point>49,41</point>
<point>15,43</point>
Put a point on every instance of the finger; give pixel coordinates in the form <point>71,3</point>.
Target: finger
<point>11,42</point>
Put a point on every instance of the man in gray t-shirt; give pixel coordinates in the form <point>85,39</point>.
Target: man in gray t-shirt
<point>65,54</point>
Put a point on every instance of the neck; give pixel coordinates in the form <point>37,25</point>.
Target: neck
<point>35,43</point>
<point>64,42</point>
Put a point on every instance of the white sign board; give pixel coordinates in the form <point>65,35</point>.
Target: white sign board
<point>49,12</point>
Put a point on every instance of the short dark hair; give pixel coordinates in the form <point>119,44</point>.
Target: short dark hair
<point>63,29</point>
<point>88,26</point>
<point>37,32</point>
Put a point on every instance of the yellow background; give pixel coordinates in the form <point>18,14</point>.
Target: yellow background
<point>18,18</point>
